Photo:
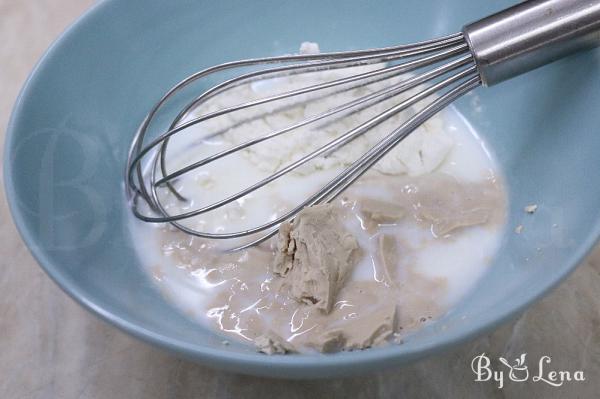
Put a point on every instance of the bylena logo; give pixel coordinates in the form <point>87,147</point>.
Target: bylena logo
<point>518,371</point>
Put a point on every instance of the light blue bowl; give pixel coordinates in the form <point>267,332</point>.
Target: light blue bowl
<point>71,126</point>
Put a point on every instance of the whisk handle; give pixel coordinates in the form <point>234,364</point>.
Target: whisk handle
<point>531,34</point>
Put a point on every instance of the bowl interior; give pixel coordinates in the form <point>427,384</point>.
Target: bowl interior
<point>71,128</point>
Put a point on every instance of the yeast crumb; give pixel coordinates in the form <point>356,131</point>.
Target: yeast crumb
<point>531,208</point>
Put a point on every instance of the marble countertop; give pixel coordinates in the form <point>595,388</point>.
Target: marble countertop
<point>52,348</point>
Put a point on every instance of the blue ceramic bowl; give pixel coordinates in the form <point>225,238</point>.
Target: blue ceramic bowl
<point>71,126</point>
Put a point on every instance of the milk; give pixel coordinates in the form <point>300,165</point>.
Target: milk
<point>460,261</point>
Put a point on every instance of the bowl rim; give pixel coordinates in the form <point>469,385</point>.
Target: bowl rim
<point>320,366</point>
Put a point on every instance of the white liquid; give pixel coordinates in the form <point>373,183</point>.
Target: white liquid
<point>460,261</point>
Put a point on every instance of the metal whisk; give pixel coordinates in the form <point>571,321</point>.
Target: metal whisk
<point>485,52</point>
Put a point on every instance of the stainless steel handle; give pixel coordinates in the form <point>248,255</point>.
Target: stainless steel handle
<point>532,34</point>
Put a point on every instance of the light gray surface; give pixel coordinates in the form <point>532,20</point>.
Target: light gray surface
<point>51,348</point>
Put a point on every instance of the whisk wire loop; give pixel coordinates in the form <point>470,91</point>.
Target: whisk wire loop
<point>452,72</point>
